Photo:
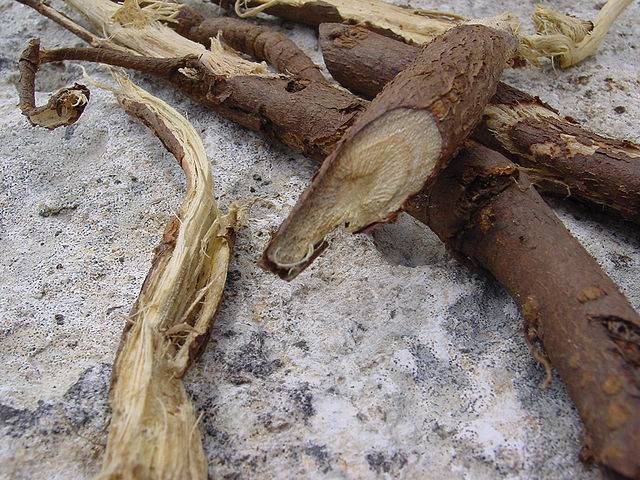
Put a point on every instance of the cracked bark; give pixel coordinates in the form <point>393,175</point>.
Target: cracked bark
<point>485,210</point>
<point>311,117</point>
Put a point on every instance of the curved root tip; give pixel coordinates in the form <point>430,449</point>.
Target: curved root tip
<point>63,108</point>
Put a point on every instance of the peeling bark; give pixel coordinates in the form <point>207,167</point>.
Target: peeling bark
<point>154,431</point>
<point>560,38</point>
<point>561,156</point>
<point>411,24</point>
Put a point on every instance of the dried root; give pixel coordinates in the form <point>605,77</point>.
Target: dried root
<point>412,25</point>
<point>401,142</point>
<point>261,43</point>
<point>568,40</point>
<point>61,19</point>
<point>561,156</point>
<point>154,431</point>
<point>63,108</point>
<point>559,36</point>
<point>138,28</point>
<point>486,210</point>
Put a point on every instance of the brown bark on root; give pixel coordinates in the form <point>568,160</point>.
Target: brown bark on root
<point>308,13</point>
<point>307,116</point>
<point>400,143</point>
<point>406,23</point>
<point>312,117</point>
<point>63,108</point>
<point>560,156</point>
<point>259,42</point>
<point>562,39</point>
<point>484,208</point>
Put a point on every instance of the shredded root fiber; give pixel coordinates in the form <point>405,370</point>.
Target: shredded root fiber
<point>565,39</point>
<point>154,431</point>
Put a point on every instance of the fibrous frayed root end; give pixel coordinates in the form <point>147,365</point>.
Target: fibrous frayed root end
<point>565,39</point>
<point>139,13</point>
<point>154,430</point>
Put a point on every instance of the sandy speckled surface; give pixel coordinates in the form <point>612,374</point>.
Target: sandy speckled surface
<point>386,359</point>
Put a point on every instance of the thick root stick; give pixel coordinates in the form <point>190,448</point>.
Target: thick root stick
<point>561,156</point>
<point>398,145</point>
<point>487,212</point>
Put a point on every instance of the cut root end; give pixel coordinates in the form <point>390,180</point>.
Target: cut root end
<point>366,181</point>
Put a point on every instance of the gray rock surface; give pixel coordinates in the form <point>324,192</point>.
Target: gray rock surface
<point>387,359</point>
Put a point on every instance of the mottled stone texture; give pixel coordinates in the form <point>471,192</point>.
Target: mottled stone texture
<point>386,359</point>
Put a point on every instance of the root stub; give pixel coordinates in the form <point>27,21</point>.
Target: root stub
<point>398,145</point>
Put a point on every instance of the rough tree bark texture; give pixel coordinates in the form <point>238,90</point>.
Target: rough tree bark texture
<point>312,117</point>
<point>560,155</point>
<point>399,144</point>
<point>486,210</point>
<point>262,43</point>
